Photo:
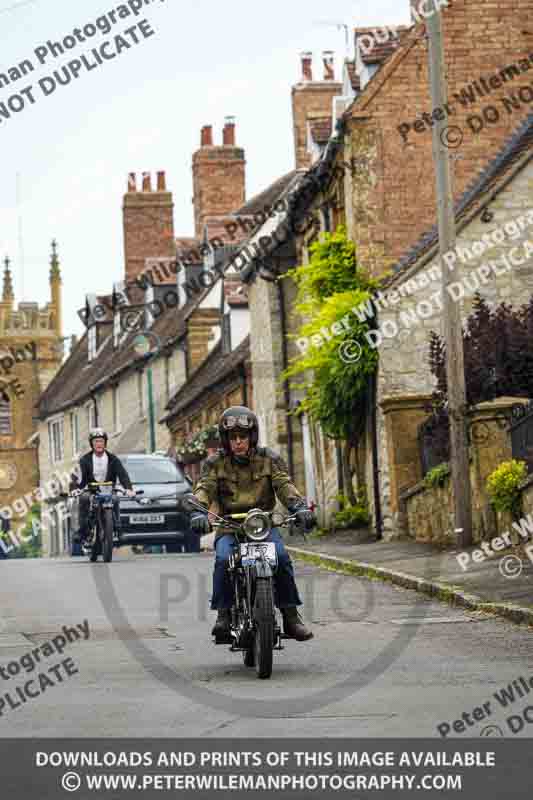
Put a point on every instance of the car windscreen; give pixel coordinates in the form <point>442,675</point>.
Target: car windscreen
<point>153,471</point>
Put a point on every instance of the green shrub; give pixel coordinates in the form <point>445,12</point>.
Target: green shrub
<point>503,486</point>
<point>352,516</point>
<point>436,477</point>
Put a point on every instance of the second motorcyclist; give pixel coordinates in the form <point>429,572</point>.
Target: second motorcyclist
<point>99,466</point>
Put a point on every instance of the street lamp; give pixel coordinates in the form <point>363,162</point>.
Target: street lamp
<point>148,345</point>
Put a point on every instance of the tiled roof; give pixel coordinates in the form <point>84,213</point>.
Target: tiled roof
<point>214,370</point>
<point>381,50</point>
<point>78,377</point>
<point>321,129</point>
<point>267,197</point>
<point>516,152</point>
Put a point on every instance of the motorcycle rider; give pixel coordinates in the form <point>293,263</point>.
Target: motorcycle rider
<point>99,466</point>
<point>242,476</point>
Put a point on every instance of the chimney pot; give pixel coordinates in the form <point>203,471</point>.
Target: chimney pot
<point>329,65</point>
<point>147,182</point>
<point>161,183</point>
<point>207,136</point>
<point>229,132</point>
<point>307,66</point>
<point>132,182</point>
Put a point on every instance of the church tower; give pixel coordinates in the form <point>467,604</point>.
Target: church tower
<point>31,349</point>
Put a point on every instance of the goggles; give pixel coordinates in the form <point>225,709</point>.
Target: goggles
<point>239,421</point>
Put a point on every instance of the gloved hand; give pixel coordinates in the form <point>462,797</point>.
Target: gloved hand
<point>199,523</point>
<point>305,518</point>
<point>76,492</point>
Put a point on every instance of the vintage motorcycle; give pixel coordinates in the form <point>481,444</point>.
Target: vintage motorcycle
<point>102,523</point>
<point>255,629</point>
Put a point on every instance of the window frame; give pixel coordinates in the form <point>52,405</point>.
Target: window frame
<point>57,454</point>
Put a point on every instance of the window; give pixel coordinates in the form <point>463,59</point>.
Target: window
<point>116,409</point>
<point>117,330</point>
<point>91,416</point>
<point>6,427</point>
<point>56,440</point>
<point>75,433</point>
<point>91,342</point>
<point>140,393</point>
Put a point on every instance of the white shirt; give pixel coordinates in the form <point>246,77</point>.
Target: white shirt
<point>100,467</point>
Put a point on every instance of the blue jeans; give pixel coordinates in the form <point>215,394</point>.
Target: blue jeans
<point>286,592</point>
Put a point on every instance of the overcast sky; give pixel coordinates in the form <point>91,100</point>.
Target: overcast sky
<point>143,111</point>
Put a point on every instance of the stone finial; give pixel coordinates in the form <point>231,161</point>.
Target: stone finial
<point>7,293</point>
<point>54,263</point>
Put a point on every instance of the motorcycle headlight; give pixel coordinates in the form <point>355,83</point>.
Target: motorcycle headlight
<point>257,525</point>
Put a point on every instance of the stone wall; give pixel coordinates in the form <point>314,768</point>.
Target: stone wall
<point>429,512</point>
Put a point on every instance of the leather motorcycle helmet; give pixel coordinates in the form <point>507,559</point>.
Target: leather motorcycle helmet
<point>97,433</point>
<point>242,419</point>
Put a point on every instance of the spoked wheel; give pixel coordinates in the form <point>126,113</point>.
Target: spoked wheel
<point>264,627</point>
<point>108,535</point>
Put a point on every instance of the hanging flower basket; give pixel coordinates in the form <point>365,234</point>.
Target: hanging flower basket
<point>195,449</point>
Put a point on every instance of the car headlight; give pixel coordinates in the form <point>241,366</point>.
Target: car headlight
<point>257,525</point>
<point>144,501</point>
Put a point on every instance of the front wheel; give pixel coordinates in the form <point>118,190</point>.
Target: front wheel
<point>264,627</point>
<point>107,535</point>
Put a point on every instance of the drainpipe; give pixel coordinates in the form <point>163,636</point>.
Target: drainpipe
<point>244,384</point>
<point>95,404</point>
<point>286,389</point>
<point>373,398</point>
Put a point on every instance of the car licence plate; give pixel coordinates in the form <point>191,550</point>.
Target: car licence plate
<point>251,552</point>
<point>147,519</point>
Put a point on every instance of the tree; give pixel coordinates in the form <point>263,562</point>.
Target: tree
<point>498,349</point>
<point>335,368</point>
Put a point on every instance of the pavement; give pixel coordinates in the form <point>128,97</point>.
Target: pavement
<point>500,585</point>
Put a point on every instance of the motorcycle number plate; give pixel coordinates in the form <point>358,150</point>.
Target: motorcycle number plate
<point>253,552</point>
<point>147,519</point>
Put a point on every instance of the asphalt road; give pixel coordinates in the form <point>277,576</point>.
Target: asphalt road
<point>384,661</point>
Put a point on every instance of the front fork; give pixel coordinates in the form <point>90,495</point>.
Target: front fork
<point>242,622</point>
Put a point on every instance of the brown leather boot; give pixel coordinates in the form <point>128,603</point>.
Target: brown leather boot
<point>293,625</point>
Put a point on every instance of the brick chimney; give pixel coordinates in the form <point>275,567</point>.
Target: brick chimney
<point>218,177</point>
<point>312,99</point>
<point>228,136</point>
<point>328,58</point>
<point>307,66</point>
<point>148,223</point>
